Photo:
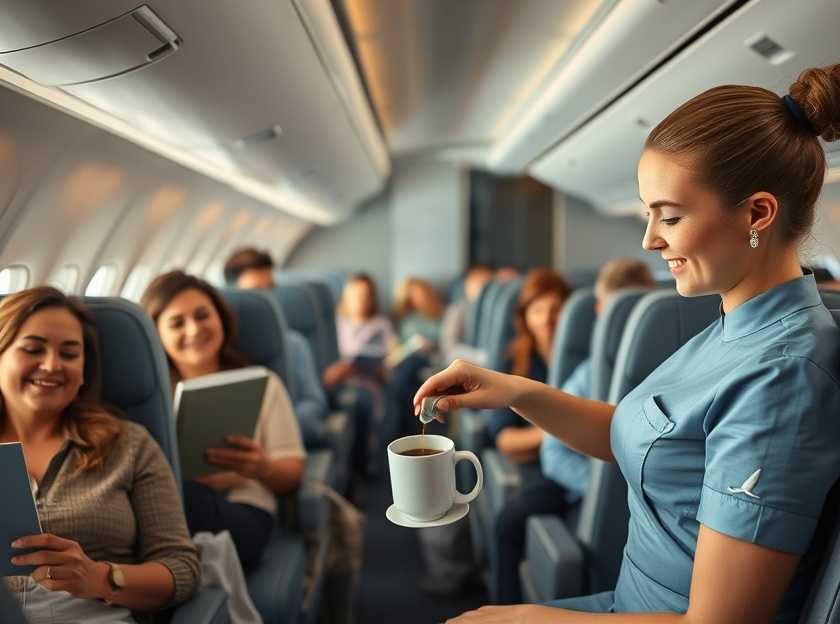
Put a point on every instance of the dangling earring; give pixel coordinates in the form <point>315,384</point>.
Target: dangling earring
<point>753,238</point>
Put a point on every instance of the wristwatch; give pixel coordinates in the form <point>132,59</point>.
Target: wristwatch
<point>116,578</point>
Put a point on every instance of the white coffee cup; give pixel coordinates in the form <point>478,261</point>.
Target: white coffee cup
<point>423,486</point>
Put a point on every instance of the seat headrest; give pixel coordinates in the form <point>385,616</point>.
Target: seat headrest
<point>501,328</point>
<point>606,338</point>
<point>135,372</point>
<point>262,329</point>
<point>830,299</point>
<point>573,335</point>
<point>660,323</point>
<point>298,305</point>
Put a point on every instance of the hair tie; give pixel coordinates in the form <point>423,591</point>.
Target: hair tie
<point>795,110</point>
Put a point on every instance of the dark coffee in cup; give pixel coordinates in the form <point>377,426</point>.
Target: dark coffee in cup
<point>420,452</point>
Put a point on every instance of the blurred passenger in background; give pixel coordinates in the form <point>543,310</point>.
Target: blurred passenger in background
<point>453,324</point>
<point>418,311</point>
<point>506,274</point>
<point>249,268</point>
<point>566,471</point>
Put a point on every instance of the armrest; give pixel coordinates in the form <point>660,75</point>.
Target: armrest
<point>207,606</point>
<point>312,508</point>
<point>501,479</point>
<point>276,585</point>
<point>553,559</point>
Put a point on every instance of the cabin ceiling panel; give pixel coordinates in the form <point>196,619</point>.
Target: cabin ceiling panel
<point>599,162</point>
<point>447,74</point>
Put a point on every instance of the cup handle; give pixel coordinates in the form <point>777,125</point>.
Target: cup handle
<point>469,456</point>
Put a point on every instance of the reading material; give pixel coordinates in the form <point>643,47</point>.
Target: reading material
<point>210,408</point>
<point>20,517</point>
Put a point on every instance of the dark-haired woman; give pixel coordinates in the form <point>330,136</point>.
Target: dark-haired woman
<point>730,446</point>
<point>107,500</point>
<point>198,332</point>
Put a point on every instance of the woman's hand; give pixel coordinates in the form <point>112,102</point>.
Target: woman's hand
<point>515,614</point>
<point>247,458</point>
<point>63,566</point>
<point>337,372</point>
<point>474,387</point>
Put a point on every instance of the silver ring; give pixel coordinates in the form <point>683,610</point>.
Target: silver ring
<point>49,573</point>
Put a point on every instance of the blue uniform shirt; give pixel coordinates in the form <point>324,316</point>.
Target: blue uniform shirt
<point>738,431</point>
<point>566,467</point>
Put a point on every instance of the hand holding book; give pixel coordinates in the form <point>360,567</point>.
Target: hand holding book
<point>243,456</point>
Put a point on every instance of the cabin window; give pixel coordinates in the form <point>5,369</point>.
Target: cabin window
<point>102,282</point>
<point>136,282</point>
<point>13,279</point>
<point>65,279</point>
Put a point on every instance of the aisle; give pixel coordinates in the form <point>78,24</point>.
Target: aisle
<point>391,571</point>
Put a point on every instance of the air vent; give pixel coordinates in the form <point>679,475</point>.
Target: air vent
<point>269,134</point>
<point>118,46</point>
<point>770,50</point>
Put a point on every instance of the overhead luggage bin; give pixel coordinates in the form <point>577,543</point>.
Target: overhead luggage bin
<point>599,161</point>
<point>266,96</point>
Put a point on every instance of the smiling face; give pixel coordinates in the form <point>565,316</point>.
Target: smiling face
<point>704,243</point>
<point>43,368</point>
<point>541,320</point>
<point>192,333</point>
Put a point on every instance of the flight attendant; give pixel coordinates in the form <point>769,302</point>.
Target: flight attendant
<point>730,446</point>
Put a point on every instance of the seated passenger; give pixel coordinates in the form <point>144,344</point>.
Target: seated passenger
<point>249,268</point>
<point>417,312</point>
<point>453,324</point>
<point>115,540</point>
<point>540,300</point>
<point>198,332</point>
<point>562,466</point>
<point>729,447</point>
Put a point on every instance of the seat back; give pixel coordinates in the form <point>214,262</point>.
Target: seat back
<point>659,324</point>
<point>831,299</point>
<point>135,372</point>
<point>823,605</point>
<point>262,331</point>
<point>487,314</point>
<point>501,328</point>
<point>300,309</point>
<point>472,322</point>
<point>606,338</point>
<point>326,315</point>
<point>572,337</point>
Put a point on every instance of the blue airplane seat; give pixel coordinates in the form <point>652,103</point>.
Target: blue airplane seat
<point>326,313</point>
<point>303,309</point>
<point>560,563</point>
<point>472,320</point>
<point>573,336</point>
<point>606,339</point>
<point>333,278</point>
<point>822,605</point>
<point>831,299</point>
<point>275,587</point>
<point>135,379</point>
<point>10,612</point>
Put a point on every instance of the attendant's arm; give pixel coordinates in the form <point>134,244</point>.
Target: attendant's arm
<point>732,582</point>
<point>581,424</point>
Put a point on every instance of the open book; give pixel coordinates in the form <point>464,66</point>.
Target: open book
<point>210,408</point>
<point>19,517</point>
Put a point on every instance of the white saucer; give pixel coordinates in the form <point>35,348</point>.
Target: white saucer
<point>457,512</point>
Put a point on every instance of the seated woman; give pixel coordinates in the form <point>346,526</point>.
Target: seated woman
<point>543,294</point>
<point>198,332</point>
<point>418,311</point>
<point>115,540</point>
<point>560,465</point>
<point>364,339</point>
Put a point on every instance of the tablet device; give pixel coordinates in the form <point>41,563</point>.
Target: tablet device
<point>20,516</point>
<point>210,408</point>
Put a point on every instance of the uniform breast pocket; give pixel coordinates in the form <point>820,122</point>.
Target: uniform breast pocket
<point>655,452</point>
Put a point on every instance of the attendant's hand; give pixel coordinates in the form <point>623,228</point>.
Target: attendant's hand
<point>63,566</point>
<point>469,386</point>
<point>337,372</point>
<point>246,458</point>
<point>515,614</point>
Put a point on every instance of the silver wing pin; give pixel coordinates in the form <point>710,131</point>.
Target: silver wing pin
<point>748,485</point>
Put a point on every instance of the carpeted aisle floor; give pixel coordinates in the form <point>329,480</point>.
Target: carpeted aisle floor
<point>392,569</point>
